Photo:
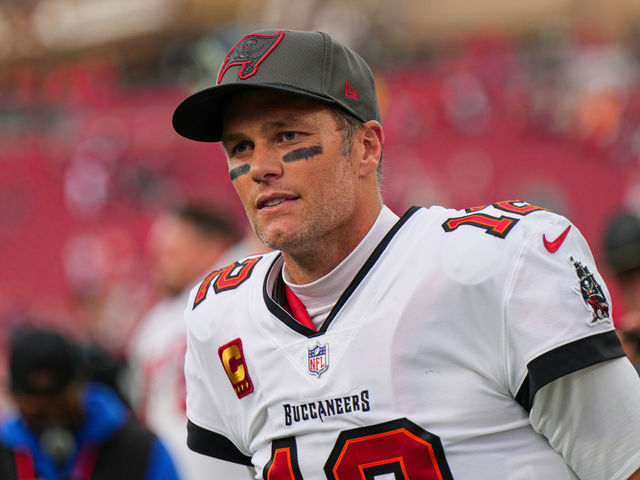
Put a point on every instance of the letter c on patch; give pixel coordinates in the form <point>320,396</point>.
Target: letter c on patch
<point>236,373</point>
<point>233,361</point>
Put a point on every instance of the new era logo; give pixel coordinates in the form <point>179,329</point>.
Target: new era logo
<point>349,91</point>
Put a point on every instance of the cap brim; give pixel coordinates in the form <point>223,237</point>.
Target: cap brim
<point>199,116</point>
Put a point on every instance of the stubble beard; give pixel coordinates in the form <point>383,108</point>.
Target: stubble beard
<point>292,243</point>
<point>317,227</point>
<point>310,233</point>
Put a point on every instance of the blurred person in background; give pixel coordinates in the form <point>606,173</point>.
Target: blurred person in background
<point>185,244</point>
<point>622,253</point>
<point>249,244</point>
<point>442,343</point>
<point>67,428</point>
<point>10,462</point>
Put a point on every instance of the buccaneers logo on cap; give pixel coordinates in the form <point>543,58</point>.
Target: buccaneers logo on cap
<point>249,52</point>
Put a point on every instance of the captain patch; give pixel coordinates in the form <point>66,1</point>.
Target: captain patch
<point>232,358</point>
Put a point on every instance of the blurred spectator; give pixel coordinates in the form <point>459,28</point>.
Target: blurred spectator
<point>65,427</point>
<point>101,366</point>
<point>249,244</point>
<point>186,243</point>
<point>622,251</point>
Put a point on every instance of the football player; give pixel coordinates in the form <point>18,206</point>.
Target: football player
<point>437,344</point>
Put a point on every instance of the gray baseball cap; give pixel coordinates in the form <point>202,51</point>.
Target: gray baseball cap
<point>311,64</point>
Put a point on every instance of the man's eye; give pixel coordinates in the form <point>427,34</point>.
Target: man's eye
<point>240,148</point>
<point>289,136</point>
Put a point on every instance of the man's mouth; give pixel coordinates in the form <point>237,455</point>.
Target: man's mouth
<point>274,201</point>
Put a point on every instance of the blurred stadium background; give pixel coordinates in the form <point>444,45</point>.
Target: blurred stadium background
<point>482,101</point>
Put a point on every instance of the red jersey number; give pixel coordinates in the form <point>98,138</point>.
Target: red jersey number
<point>399,447</point>
<point>496,226</point>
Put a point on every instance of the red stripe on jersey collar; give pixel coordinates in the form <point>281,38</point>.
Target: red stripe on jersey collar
<point>297,309</point>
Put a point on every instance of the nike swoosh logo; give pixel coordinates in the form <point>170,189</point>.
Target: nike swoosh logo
<point>553,246</point>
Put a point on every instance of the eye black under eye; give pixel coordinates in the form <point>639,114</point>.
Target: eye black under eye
<point>237,171</point>
<point>302,153</point>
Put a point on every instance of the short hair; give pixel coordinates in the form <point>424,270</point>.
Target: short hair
<point>349,125</point>
<point>206,219</point>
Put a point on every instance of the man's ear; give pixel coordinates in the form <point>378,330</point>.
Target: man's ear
<point>372,138</point>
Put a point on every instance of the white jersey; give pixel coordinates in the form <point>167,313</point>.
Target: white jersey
<point>156,356</point>
<point>427,366</point>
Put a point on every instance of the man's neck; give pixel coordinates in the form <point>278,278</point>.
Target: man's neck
<point>308,265</point>
<point>320,296</point>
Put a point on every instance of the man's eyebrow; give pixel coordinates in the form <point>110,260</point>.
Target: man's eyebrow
<point>289,121</point>
<point>230,137</point>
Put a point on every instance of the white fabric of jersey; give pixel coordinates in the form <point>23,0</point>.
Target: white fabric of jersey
<point>431,346</point>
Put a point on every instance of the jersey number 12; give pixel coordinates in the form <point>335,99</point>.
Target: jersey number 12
<point>399,447</point>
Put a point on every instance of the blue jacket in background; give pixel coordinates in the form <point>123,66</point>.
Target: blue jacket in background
<point>105,417</point>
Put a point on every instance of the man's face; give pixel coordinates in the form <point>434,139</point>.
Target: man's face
<point>629,324</point>
<point>288,167</point>
<point>629,284</point>
<point>40,412</point>
<point>180,253</point>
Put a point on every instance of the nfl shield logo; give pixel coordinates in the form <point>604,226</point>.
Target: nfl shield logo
<point>318,359</point>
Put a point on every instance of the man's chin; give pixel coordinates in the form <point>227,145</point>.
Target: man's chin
<point>279,240</point>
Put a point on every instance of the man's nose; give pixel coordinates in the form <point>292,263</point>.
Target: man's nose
<point>266,164</point>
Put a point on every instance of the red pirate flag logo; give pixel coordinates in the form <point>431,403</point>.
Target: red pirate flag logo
<point>250,52</point>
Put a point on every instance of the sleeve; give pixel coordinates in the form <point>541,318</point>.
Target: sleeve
<point>592,417</point>
<point>213,444</point>
<point>207,431</point>
<point>558,316</point>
